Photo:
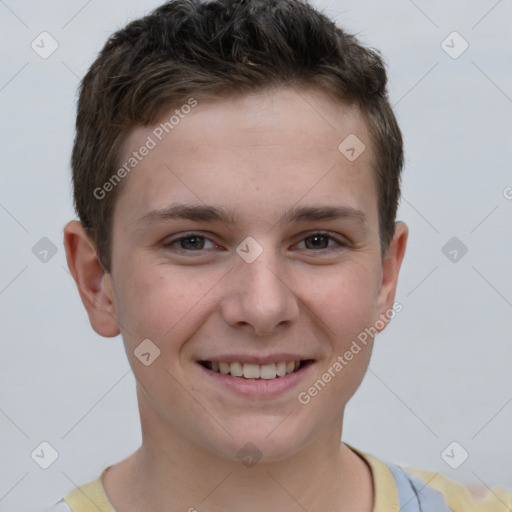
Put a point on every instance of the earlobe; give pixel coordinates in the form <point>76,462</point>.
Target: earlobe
<point>390,269</point>
<point>94,285</point>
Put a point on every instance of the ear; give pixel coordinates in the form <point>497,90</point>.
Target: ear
<point>391,264</point>
<point>94,284</point>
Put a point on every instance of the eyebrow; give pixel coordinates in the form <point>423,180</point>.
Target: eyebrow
<point>212,213</point>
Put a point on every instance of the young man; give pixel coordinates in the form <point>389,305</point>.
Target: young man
<point>236,173</point>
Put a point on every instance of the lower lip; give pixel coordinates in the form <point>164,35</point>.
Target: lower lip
<point>259,387</point>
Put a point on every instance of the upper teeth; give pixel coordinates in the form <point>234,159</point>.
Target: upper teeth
<point>255,371</point>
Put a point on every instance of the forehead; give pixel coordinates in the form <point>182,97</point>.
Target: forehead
<point>253,151</point>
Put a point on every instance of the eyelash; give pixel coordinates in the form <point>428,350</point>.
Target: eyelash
<point>341,245</point>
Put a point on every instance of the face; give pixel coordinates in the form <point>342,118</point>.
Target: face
<point>246,236</point>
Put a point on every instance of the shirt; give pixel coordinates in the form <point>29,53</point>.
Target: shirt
<point>396,489</point>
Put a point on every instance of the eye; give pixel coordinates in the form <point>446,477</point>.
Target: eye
<point>320,241</point>
<point>192,242</point>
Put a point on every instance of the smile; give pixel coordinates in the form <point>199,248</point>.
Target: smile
<point>255,371</point>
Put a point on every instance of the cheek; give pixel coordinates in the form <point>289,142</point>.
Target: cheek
<point>345,301</point>
<point>157,301</point>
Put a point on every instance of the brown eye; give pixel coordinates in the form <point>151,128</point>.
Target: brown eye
<point>190,243</point>
<point>320,242</point>
<point>317,242</point>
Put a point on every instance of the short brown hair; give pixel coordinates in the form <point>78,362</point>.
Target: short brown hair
<point>194,48</point>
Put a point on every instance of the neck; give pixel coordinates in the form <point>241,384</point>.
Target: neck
<point>170,472</point>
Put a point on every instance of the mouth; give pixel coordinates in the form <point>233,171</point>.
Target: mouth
<point>251,371</point>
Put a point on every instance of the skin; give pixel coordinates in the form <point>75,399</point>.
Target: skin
<point>259,155</point>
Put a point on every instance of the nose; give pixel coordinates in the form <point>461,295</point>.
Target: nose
<point>258,296</point>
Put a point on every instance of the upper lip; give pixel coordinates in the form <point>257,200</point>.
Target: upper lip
<point>256,359</point>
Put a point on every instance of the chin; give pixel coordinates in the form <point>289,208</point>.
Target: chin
<point>261,440</point>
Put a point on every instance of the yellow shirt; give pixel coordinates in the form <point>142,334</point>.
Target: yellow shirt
<point>388,497</point>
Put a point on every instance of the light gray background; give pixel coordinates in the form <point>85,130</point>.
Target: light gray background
<point>441,370</point>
